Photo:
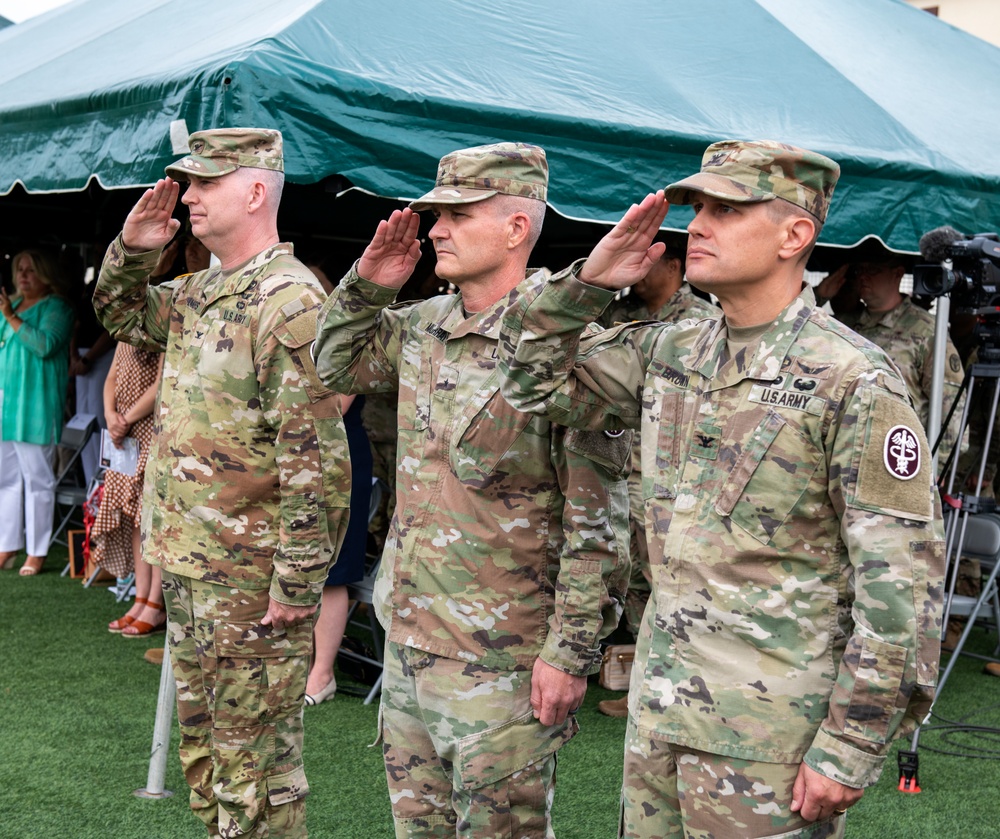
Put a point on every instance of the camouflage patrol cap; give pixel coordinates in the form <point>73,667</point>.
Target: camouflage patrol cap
<point>475,174</point>
<point>220,151</point>
<point>761,170</point>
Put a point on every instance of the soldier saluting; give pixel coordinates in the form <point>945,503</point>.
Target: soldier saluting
<point>506,560</point>
<point>248,481</point>
<point>795,537</point>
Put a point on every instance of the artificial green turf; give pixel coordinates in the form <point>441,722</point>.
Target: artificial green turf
<point>77,706</point>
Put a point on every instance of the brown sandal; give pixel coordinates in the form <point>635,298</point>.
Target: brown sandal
<point>119,624</point>
<point>141,629</point>
<point>32,565</point>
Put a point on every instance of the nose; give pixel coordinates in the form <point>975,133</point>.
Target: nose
<point>187,196</point>
<point>696,225</point>
<point>439,230</point>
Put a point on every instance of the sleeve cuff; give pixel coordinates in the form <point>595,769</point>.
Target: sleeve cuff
<point>296,594</point>
<point>832,757</point>
<point>581,298</point>
<point>372,293</point>
<point>570,658</point>
<point>119,256</point>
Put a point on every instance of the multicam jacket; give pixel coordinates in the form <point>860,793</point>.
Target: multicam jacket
<point>683,304</point>
<point>248,482</point>
<point>510,535</point>
<point>794,535</point>
<point>906,333</point>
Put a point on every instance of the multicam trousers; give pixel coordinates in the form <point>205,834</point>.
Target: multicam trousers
<point>464,757</point>
<point>672,792</point>
<point>240,688</point>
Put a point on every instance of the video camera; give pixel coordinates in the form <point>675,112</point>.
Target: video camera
<point>974,275</point>
<point>972,280</point>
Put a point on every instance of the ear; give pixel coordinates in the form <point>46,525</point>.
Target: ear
<point>798,235</point>
<point>518,229</point>
<point>256,196</point>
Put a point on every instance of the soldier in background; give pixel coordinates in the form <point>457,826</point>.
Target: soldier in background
<point>248,482</point>
<point>892,321</point>
<point>662,295</point>
<point>506,560</point>
<point>795,537</point>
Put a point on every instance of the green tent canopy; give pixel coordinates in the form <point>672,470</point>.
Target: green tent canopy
<point>623,96</point>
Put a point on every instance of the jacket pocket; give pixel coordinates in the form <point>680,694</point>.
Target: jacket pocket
<point>768,479</point>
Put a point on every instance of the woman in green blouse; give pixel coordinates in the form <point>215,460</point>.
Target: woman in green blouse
<point>34,361</point>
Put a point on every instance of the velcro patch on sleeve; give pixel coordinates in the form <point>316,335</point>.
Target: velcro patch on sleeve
<point>297,331</point>
<point>894,470</point>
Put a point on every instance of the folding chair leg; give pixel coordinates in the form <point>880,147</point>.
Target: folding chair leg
<point>92,577</point>
<point>125,587</point>
<point>375,691</point>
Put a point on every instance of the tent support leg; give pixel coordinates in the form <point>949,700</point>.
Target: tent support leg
<point>165,708</point>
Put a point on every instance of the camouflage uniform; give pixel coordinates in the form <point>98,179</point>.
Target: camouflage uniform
<point>906,333</point>
<point>508,543</point>
<point>246,501</point>
<point>683,304</point>
<point>379,419</point>
<point>795,543</point>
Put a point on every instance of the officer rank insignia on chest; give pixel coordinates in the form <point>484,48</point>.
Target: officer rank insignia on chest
<point>794,392</point>
<point>901,452</point>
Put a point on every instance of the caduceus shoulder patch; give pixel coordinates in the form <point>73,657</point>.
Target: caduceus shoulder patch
<point>890,453</point>
<point>901,452</point>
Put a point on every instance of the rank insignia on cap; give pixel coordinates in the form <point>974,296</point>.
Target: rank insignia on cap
<point>902,453</point>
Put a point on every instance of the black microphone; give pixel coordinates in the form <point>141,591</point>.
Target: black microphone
<point>935,245</point>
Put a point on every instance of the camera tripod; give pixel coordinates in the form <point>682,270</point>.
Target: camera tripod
<point>972,530</point>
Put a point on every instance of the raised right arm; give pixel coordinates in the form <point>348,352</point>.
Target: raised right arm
<point>556,365</point>
<point>358,337</point>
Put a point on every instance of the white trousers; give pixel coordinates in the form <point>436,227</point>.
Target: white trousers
<point>27,497</point>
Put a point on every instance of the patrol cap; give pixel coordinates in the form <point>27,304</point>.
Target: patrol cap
<point>749,171</point>
<point>219,151</point>
<point>475,174</point>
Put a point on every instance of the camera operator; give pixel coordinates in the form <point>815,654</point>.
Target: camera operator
<point>967,268</point>
<point>892,321</point>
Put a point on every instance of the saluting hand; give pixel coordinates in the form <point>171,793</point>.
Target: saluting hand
<point>625,255</point>
<point>832,283</point>
<point>151,223</point>
<point>394,250</point>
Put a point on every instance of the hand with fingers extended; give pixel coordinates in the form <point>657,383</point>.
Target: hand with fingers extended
<point>150,223</point>
<point>394,250</point>
<point>830,286</point>
<point>625,255</point>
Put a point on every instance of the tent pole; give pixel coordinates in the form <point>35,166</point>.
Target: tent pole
<point>165,705</point>
<point>939,354</point>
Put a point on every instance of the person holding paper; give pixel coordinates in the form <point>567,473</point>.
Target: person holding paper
<point>129,398</point>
